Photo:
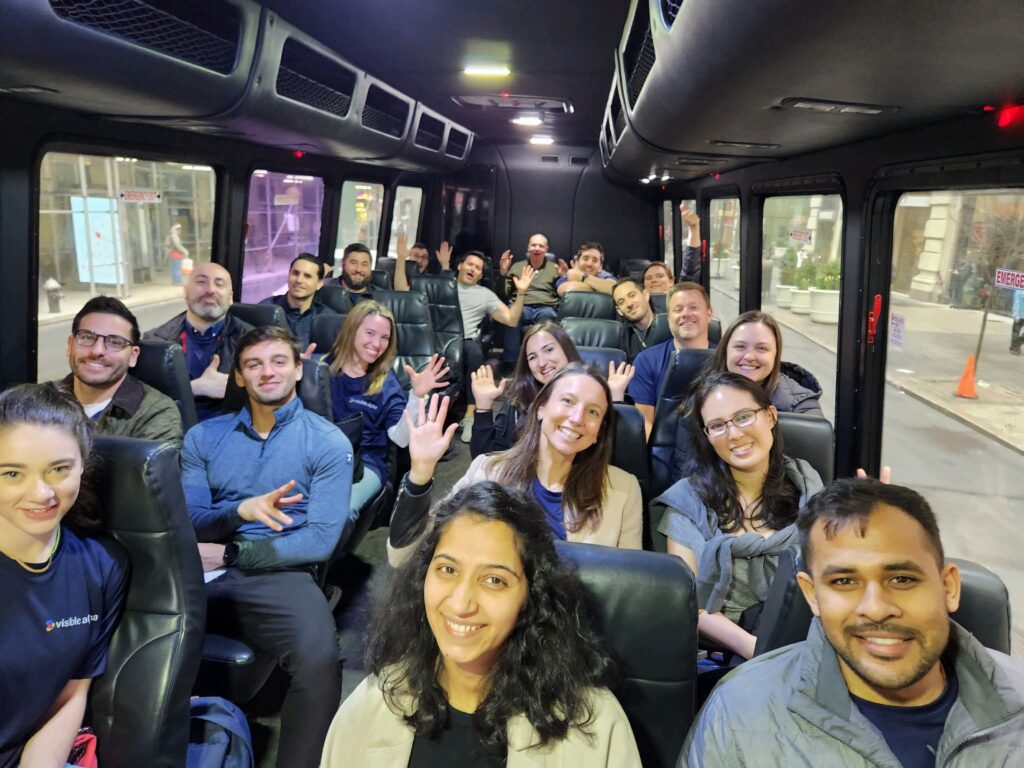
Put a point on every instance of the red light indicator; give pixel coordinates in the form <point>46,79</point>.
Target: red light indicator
<point>505,94</point>
<point>717,176</point>
<point>988,108</point>
<point>1009,116</point>
<point>299,153</point>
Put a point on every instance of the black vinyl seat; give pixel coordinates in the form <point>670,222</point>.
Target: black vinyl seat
<point>659,303</point>
<point>443,299</point>
<point>314,389</point>
<point>809,437</point>
<point>140,705</point>
<point>629,453</point>
<point>162,365</point>
<point>586,304</point>
<point>659,331</point>
<point>634,268</point>
<point>715,331</point>
<point>416,339</point>
<point>984,607</point>
<point>644,605</point>
<point>336,298</point>
<point>259,314</point>
<point>326,327</point>
<point>381,280</point>
<point>593,332</point>
<point>599,357</point>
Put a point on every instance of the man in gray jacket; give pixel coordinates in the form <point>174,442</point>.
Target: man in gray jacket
<point>885,678</point>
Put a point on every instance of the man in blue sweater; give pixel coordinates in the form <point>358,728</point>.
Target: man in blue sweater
<point>268,491</point>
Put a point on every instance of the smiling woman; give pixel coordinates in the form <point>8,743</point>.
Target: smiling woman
<point>455,638</point>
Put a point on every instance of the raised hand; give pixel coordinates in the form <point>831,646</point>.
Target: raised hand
<point>523,281</point>
<point>428,439</point>
<point>266,508</point>
<point>485,392</point>
<point>308,354</point>
<point>690,218</point>
<point>505,263</point>
<point>884,476</point>
<point>429,378</point>
<point>402,247</point>
<point>562,267</point>
<point>618,379</point>
<point>212,383</point>
<point>444,255</point>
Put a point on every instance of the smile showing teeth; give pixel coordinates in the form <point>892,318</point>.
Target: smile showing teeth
<point>569,433</point>
<point>461,629</point>
<point>742,449</point>
<point>884,640</point>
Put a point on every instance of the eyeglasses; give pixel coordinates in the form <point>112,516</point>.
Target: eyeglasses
<point>743,420</point>
<point>112,342</point>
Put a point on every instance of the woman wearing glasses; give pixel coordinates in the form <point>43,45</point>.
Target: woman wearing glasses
<point>735,513</point>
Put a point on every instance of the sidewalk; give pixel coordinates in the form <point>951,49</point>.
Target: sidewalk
<point>936,342</point>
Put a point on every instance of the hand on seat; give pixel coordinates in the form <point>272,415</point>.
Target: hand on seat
<point>485,392</point>
<point>429,378</point>
<point>428,439</point>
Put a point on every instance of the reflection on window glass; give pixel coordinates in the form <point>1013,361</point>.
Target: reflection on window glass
<point>119,226</point>
<point>667,243</point>
<point>724,258</point>
<point>405,220</point>
<point>358,217</point>
<point>283,221</point>
<point>954,402</point>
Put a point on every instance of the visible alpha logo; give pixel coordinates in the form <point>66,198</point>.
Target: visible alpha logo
<point>71,621</point>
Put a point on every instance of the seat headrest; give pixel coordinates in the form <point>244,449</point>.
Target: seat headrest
<point>161,365</point>
<point>659,330</point>
<point>659,302</point>
<point>381,279</point>
<point>586,304</point>
<point>593,332</point>
<point>259,314</point>
<point>684,367</point>
<point>599,357</point>
<point>326,327</point>
<point>336,297</point>
<point>715,331</point>
<point>809,437</point>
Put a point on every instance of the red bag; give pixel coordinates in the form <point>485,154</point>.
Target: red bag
<point>83,751</point>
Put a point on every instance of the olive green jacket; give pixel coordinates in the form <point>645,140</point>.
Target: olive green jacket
<point>137,410</point>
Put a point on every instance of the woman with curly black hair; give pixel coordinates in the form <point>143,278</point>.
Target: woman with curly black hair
<point>479,655</point>
<point>735,513</point>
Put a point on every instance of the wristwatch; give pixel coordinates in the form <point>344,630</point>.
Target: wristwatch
<point>230,553</point>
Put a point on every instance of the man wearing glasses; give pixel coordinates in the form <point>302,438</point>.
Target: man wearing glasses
<point>103,345</point>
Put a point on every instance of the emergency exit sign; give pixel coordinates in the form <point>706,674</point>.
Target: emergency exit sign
<point>1008,278</point>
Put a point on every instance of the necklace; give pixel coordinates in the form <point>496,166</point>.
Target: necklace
<point>49,561</point>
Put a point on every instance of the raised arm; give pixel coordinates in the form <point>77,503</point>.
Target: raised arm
<point>510,315</point>
<point>402,247</point>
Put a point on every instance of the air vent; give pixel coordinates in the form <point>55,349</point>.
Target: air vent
<point>309,78</point>
<point>458,141</point>
<point>669,11</point>
<point>548,105</point>
<point>385,113</point>
<point>429,133</point>
<point>578,160</point>
<point>742,144</point>
<point>638,55</point>
<point>836,107</point>
<point>204,34</point>
<point>692,161</point>
<point>549,159</point>
<point>618,118</point>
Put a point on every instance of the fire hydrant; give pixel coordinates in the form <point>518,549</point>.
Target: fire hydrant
<point>53,295</point>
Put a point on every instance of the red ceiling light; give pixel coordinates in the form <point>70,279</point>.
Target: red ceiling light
<point>716,176</point>
<point>299,153</point>
<point>988,108</point>
<point>1010,116</point>
<point>505,94</point>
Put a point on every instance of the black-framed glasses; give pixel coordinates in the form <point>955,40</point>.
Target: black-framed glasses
<point>111,341</point>
<point>743,420</point>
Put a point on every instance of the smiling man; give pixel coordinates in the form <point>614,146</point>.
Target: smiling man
<point>885,677</point>
<point>102,348</point>
<point>633,305</point>
<point>299,302</point>
<point>587,272</point>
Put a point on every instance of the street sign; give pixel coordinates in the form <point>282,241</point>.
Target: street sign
<point>133,195</point>
<point>897,326</point>
<point>1008,278</point>
<point>800,235</point>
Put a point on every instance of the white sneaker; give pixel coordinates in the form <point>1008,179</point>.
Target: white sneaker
<point>467,429</point>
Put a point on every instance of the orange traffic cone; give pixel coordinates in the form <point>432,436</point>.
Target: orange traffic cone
<point>966,386</point>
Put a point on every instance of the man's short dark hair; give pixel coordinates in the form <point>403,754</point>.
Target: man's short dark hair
<point>312,260</point>
<point>657,265</point>
<point>355,248</point>
<point>107,305</point>
<point>467,254</point>
<point>267,333</point>
<point>625,281</point>
<point>590,245</point>
<point>421,246</point>
<point>851,501</point>
<point>686,285</point>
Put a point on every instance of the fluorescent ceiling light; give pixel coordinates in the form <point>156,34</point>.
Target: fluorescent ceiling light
<point>531,120</point>
<point>487,70</point>
<point>665,176</point>
<point>545,140</point>
<point>645,180</point>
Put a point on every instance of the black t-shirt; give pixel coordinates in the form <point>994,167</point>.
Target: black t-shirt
<point>54,627</point>
<point>912,733</point>
<point>459,744</point>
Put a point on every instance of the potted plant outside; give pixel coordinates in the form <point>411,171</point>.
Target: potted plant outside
<point>806,274</point>
<point>779,251</point>
<point>824,296</point>
<point>787,278</point>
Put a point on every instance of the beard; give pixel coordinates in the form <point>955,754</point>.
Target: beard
<point>211,313</point>
<point>99,379</point>
<point>354,284</point>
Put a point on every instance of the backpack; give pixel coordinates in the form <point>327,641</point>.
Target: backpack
<point>218,735</point>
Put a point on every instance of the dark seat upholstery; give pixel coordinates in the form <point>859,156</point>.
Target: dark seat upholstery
<point>259,314</point>
<point>314,389</point>
<point>586,304</point>
<point>416,339</point>
<point>634,268</point>
<point>381,280</point>
<point>715,331</point>
<point>140,706</point>
<point>443,300</point>
<point>659,330</point>
<point>645,607</point>
<point>599,357</point>
<point>984,607</point>
<point>593,332</point>
<point>326,328</point>
<point>336,298</point>
<point>809,437</point>
<point>629,453</point>
<point>659,302</point>
<point>162,365</point>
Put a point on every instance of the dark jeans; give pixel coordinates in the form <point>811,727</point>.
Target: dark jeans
<point>532,314</point>
<point>1016,340</point>
<point>285,614</point>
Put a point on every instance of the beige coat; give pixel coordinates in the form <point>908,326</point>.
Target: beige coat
<point>622,516</point>
<point>367,734</point>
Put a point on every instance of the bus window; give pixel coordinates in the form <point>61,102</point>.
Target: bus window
<point>405,219</point>
<point>668,251</point>
<point>724,245</point>
<point>283,221</point>
<point>954,395</point>
<point>358,217</point>
<point>801,257</point>
<point>120,226</point>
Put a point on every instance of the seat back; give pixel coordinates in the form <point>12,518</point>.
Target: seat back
<point>809,437</point>
<point>259,314</point>
<point>443,300</point>
<point>416,340</point>
<point>586,304</point>
<point>314,390</point>
<point>386,264</point>
<point>593,332</point>
<point>659,330</point>
<point>336,298</point>
<point>140,705</point>
<point>984,607</point>
<point>644,606</point>
<point>629,453</point>
<point>379,279</point>
<point>715,331</point>
<point>326,327</point>
<point>634,268</point>
<point>599,357</point>
<point>659,303</point>
<point>161,365</point>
